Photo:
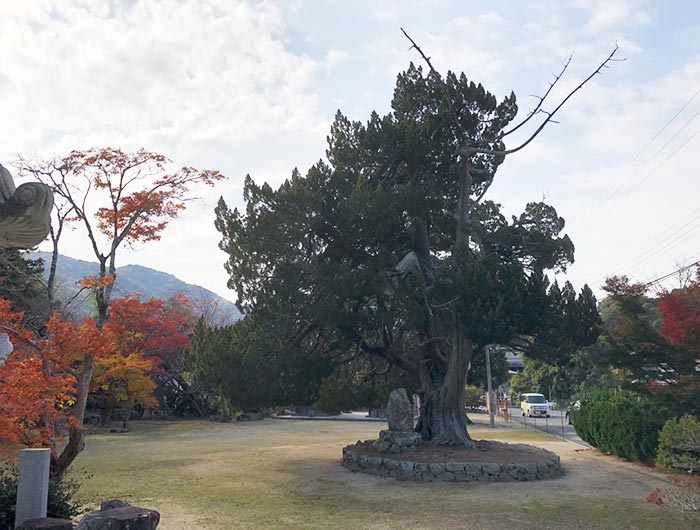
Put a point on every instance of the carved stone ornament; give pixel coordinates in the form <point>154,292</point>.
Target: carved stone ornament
<point>24,212</point>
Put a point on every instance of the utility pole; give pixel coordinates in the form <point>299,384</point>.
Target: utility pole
<point>488,385</point>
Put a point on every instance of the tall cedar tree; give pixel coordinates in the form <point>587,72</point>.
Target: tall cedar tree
<point>390,250</point>
<point>119,198</point>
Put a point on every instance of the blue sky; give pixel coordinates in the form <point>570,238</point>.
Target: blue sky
<point>252,87</point>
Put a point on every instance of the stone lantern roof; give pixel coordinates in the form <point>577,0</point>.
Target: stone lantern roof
<point>24,212</point>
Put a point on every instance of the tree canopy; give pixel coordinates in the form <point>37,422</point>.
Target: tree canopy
<point>389,249</point>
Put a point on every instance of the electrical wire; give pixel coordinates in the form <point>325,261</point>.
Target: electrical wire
<point>634,158</point>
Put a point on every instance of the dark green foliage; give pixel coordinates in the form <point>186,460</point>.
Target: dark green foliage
<point>21,282</point>
<point>499,369</point>
<point>60,502</point>
<point>253,368</point>
<point>679,445</point>
<point>360,386</point>
<point>363,256</point>
<point>621,423</point>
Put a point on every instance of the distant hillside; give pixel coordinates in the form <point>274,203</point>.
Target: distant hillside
<point>138,279</point>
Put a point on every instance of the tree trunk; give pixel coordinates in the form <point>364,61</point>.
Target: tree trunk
<point>442,416</point>
<point>76,438</point>
<point>127,416</point>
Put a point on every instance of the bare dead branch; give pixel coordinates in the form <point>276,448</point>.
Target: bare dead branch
<point>447,95</point>
<point>474,150</point>
<point>538,108</point>
<point>470,149</point>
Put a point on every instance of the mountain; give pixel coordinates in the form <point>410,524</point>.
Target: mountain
<point>137,279</point>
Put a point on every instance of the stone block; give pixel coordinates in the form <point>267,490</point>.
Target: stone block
<point>46,523</point>
<point>125,518</point>
<point>32,485</point>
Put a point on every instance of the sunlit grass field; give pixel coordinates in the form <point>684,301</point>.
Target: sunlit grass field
<point>281,474</point>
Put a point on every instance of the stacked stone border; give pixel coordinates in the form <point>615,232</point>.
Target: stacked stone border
<point>388,466</point>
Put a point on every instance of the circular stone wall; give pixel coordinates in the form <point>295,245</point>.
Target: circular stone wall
<point>532,463</point>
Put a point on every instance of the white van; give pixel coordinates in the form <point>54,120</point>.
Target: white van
<point>532,404</point>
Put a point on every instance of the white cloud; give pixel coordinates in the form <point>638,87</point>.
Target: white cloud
<point>214,84</point>
<point>386,10</point>
<point>335,57</point>
<point>604,15</point>
<point>184,78</point>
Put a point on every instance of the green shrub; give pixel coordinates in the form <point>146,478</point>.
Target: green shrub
<point>679,445</point>
<point>620,423</point>
<point>60,503</point>
<point>473,396</point>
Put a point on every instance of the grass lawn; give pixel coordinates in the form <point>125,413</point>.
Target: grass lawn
<point>287,475</point>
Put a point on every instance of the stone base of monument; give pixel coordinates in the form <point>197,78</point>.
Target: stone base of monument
<point>396,441</point>
<point>46,523</point>
<point>486,462</point>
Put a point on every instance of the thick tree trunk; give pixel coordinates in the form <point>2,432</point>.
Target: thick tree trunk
<point>443,378</point>
<point>443,420</point>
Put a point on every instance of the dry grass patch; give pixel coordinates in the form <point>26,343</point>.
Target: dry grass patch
<point>287,475</point>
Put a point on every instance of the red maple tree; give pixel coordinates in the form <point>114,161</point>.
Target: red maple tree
<point>36,391</point>
<point>119,198</point>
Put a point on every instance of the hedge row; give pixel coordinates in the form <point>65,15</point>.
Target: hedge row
<point>679,445</point>
<point>620,423</point>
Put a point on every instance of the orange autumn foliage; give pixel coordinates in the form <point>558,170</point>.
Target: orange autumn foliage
<point>154,328</point>
<point>36,392</point>
<point>125,379</point>
<point>144,191</point>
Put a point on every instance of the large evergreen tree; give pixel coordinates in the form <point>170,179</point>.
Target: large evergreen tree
<point>390,250</point>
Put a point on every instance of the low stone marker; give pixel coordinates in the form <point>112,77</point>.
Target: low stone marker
<point>116,514</point>
<point>32,484</point>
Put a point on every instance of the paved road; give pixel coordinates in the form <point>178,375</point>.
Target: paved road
<point>556,425</point>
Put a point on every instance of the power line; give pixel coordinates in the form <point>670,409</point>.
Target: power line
<point>639,169</point>
<point>660,239</point>
<point>662,163</point>
<point>634,158</point>
<point>671,245</point>
<point>666,276</point>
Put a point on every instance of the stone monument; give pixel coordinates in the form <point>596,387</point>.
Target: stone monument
<point>33,484</point>
<point>400,435</point>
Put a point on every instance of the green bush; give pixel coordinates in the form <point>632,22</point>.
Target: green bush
<point>679,445</point>
<point>473,396</point>
<point>620,423</point>
<point>60,503</point>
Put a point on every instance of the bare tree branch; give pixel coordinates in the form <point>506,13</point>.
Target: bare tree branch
<point>550,115</point>
<point>538,108</point>
<point>471,149</point>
